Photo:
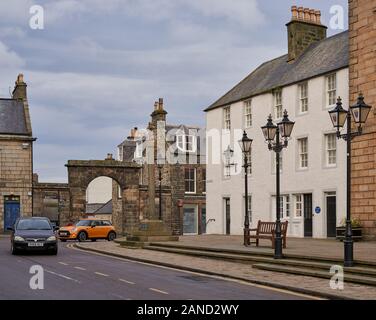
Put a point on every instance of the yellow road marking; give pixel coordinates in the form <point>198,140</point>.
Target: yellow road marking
<point>126,281</point>
<point>101,274</point>
<point>159,291</point>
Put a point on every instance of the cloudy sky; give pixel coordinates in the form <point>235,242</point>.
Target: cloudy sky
<point>97,67</point>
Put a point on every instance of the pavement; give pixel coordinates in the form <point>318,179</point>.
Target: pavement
<point>240,271</point>
<point>76,274</point>
<point>320,248</point>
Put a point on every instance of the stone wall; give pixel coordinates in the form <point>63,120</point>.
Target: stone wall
<point>362,19</point>
<point>16,173</point>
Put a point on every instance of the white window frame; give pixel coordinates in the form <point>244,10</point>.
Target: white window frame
<point>183,143</point>
<point>329,149</point>
<point>303,153</point>
<point>248,113</point>
<point>249,210</point>
<point>274,171</point>
<point>227,118</point>
<point>303,98</point>
<point>298,205</point>
<point>278,104</point>
<point>138,154</point>
<point>331,89</point>
<point>194,181</point>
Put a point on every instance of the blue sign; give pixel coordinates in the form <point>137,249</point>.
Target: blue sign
<point>317,210</point>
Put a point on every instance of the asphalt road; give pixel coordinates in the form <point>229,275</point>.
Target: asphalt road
<point>74,274</point>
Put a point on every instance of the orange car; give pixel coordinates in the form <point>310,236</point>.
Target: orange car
<point>88,229</point>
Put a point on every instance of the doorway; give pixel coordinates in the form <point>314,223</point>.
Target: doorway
<point>308,213</point>
<point>227,216</point>
<point>11,211</point>
<point>331,215</point>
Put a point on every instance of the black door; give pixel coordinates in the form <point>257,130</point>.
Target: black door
<point>308,215</point>
<point>203,220</point>
<point>228,216</point>
<point>331,216</point>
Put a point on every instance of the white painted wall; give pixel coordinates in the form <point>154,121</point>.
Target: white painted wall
<point>99,190</point>
<point>317,180</point>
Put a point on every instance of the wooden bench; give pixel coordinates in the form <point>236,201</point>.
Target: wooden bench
<point>266,230</point>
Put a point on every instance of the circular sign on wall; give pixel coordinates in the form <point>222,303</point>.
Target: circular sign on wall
<point>317,210</point>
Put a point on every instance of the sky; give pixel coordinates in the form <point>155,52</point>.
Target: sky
<point>96,68</point>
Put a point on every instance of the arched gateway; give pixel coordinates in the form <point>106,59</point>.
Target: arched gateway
<point>81,173</point>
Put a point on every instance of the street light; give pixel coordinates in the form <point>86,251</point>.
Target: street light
<point>245,145</point>
<point>339,116</point>
<point>272,134</point>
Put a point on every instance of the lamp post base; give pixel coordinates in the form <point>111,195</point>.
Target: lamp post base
<point>349,252</point>
<point>247,241</point>
<point>278,248</point>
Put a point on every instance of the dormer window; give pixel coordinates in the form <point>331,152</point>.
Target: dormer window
<point>186,143</point>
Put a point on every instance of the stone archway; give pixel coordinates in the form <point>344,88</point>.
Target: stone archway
<point>81,173</point>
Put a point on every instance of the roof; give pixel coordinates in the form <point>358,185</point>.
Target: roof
<point>105,209</point>
<point>12,117</point>
<point>320,58</point>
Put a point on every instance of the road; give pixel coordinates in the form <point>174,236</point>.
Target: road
<point>74,274</point>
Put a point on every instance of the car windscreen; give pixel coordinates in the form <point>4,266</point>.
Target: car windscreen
<point>83,223</point>
<point>33,224</point>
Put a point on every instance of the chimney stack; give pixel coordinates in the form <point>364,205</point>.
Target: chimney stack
<point>109,156</point>
<point>159,113</point>
<point>304,29</point>
<point>19,91</point>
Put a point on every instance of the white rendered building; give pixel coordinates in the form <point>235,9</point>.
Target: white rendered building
<point>306,82</point>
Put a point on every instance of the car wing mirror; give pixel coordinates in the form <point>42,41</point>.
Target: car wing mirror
<point>10,229</point>
<point>56,228</point>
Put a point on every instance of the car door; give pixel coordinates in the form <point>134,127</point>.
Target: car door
<point>95,230</point>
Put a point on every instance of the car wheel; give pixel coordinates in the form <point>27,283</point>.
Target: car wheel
<point>82,236</point>
<point>54,252</point>
<point>13,250</point>
<point>111,236</point>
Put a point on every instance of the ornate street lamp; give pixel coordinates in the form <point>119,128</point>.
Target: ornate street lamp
<point>339,116</point>
<point>245,145</point>
<point>273,134</point>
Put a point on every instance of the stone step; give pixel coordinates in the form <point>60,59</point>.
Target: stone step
<point>254,258</point>
<point>354,278</point>
<point>263,253</point>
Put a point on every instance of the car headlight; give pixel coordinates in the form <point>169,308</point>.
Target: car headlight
<point>53,238</point>
<point>18,238</point>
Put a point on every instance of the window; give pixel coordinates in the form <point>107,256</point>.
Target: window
<point>298,205</point>
<point>203,180</point>
<point>303,153</point>
<point>278,109</point>
<point>250,164</point>
<point>120,192</point>
<point>248,114</point>
<point>331,149</point>
<point>287,206</point>
<point>284,206</point>
<point>331,89</point>
<point>303,89</point>
<point>186,143</point>
<point>281,207</point>
<point>227,118</point>
<point>138,152</point>
<point>190,180</point>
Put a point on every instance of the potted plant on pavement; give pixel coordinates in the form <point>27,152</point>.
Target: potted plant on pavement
<point>356,229</point>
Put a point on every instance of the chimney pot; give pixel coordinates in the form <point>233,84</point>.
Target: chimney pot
<point>156,104</point>
<point>294,10</point>
<point>160,103</point>
<point>318,16</point>
<point>312,15</point>
<point>307,16</point>
<point>300,13</point>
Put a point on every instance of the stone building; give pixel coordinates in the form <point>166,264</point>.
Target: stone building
<point>183,171</point>
<point>362,30</point>
<point>16,156</point>
<point>306,82</point>
<point>50,200</point>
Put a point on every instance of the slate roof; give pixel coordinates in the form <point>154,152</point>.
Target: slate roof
<point>319,58</point>
<point>105,209</point>
<point>12,117</point>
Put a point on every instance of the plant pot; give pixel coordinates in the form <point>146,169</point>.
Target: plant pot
<point>357,233</point>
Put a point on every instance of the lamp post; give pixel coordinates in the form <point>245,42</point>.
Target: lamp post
<point>245,145</point>
<point>273,134</point>
<point>359,112</point>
